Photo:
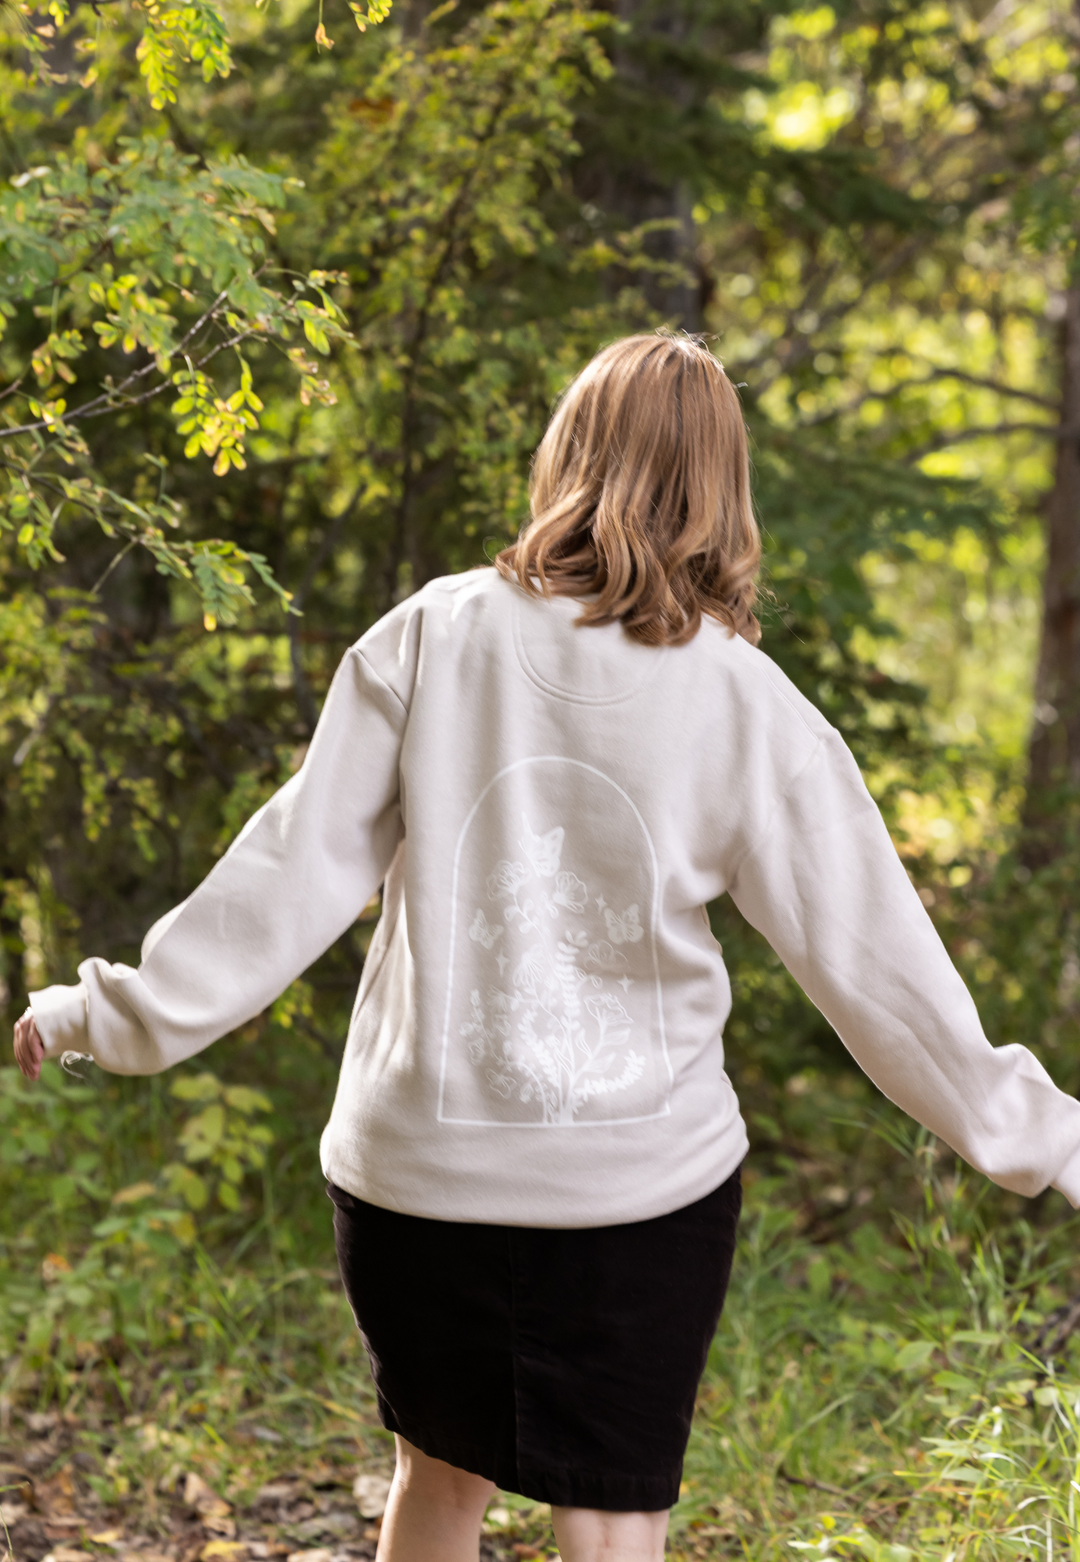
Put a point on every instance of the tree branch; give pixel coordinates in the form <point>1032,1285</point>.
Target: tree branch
<point>989,431</point>
<point>114,399</point>
<point>981,381</point>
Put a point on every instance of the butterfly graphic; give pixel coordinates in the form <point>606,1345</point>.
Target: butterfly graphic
<point>624,929</point>
<point>543,851</point>
<point>481,933</point>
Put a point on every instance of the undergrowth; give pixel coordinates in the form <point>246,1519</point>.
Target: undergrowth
<point>892,1380</point>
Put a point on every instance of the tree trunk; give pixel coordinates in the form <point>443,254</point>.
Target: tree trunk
<point>634,176</point>
<point>1054,747</point>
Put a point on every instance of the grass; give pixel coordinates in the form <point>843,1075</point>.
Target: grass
<point>887,1383</point>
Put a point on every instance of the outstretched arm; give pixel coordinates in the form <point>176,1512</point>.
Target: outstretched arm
<point>297,875</point>
<point>825,886</point>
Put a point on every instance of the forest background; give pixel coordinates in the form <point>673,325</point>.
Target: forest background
<point>286,300</point>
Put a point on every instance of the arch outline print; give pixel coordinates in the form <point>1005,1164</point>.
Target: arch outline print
<point>554,1009</point>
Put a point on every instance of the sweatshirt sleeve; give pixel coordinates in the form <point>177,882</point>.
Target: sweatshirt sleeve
<point>825,886</point>
<point>299,872</point>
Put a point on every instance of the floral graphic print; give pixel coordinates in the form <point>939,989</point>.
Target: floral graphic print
<point>557,1019</point>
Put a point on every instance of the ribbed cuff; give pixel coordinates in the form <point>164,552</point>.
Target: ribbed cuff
<point>60,1013</point>
<point>1067,1180</point>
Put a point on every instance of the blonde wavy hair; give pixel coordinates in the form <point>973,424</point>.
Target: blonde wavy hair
<point>640,496</point>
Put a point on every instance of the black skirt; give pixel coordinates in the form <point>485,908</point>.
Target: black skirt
<point>562,1365</point>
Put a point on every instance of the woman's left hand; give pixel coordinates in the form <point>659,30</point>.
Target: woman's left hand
<point>29,1048</point>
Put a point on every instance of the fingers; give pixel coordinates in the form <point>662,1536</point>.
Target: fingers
<point>29,1047</point>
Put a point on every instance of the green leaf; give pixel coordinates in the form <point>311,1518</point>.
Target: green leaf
<point>196,1087</point>
<point>913,1356</point>
<point>243,1099</point>
<point>202,1134</point>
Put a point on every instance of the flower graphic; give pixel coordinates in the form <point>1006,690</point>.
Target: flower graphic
<point>552,1030</point>
<point>569,891</point>
<point>507,879</point>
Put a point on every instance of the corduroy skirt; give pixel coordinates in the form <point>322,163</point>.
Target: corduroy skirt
<point>561,1365</point>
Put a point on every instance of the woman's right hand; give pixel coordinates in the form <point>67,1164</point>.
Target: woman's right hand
<point>29,1048</point>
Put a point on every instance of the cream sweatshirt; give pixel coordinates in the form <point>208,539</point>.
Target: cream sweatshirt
<point>538,1035</point>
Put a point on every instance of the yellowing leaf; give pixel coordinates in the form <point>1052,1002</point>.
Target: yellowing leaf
<point>184,1230</point>
<point>53,1265</point>
<point>132,1194</point>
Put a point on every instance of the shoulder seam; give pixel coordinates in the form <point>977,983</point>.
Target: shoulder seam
<point>779,681</point>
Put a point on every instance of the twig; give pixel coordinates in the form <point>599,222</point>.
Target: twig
<point>834,1491</point>
<point>107,402</point>
<point>103,577</point>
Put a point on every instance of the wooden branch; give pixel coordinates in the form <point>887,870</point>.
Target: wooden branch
<point>834,1491</point>
<point>1054,431</point>
<point>940,372</point>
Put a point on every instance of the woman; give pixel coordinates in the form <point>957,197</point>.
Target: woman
<point>552,767</point>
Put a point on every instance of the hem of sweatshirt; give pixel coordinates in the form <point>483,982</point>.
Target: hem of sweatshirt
<point>501,1204</point>
<point>61,1017</point>
<point>1067,1180</point>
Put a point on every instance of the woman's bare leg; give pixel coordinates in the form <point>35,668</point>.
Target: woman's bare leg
<point>590,1535</point>
<point>434,1511</point>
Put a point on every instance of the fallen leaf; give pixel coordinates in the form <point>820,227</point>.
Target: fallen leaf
<point>320,1554</point>
<point>107,1537</point>
<point>225,1550</point>
<point>218,1524</point>
<point>55,1499</point>
<point>277,1491</point>
<point>205,1501</point>
<point>13,1512</point>
<point>371,1492</point>
<point>70,1554</point>
<point>335,1522</point>
<point>60,1529</point>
